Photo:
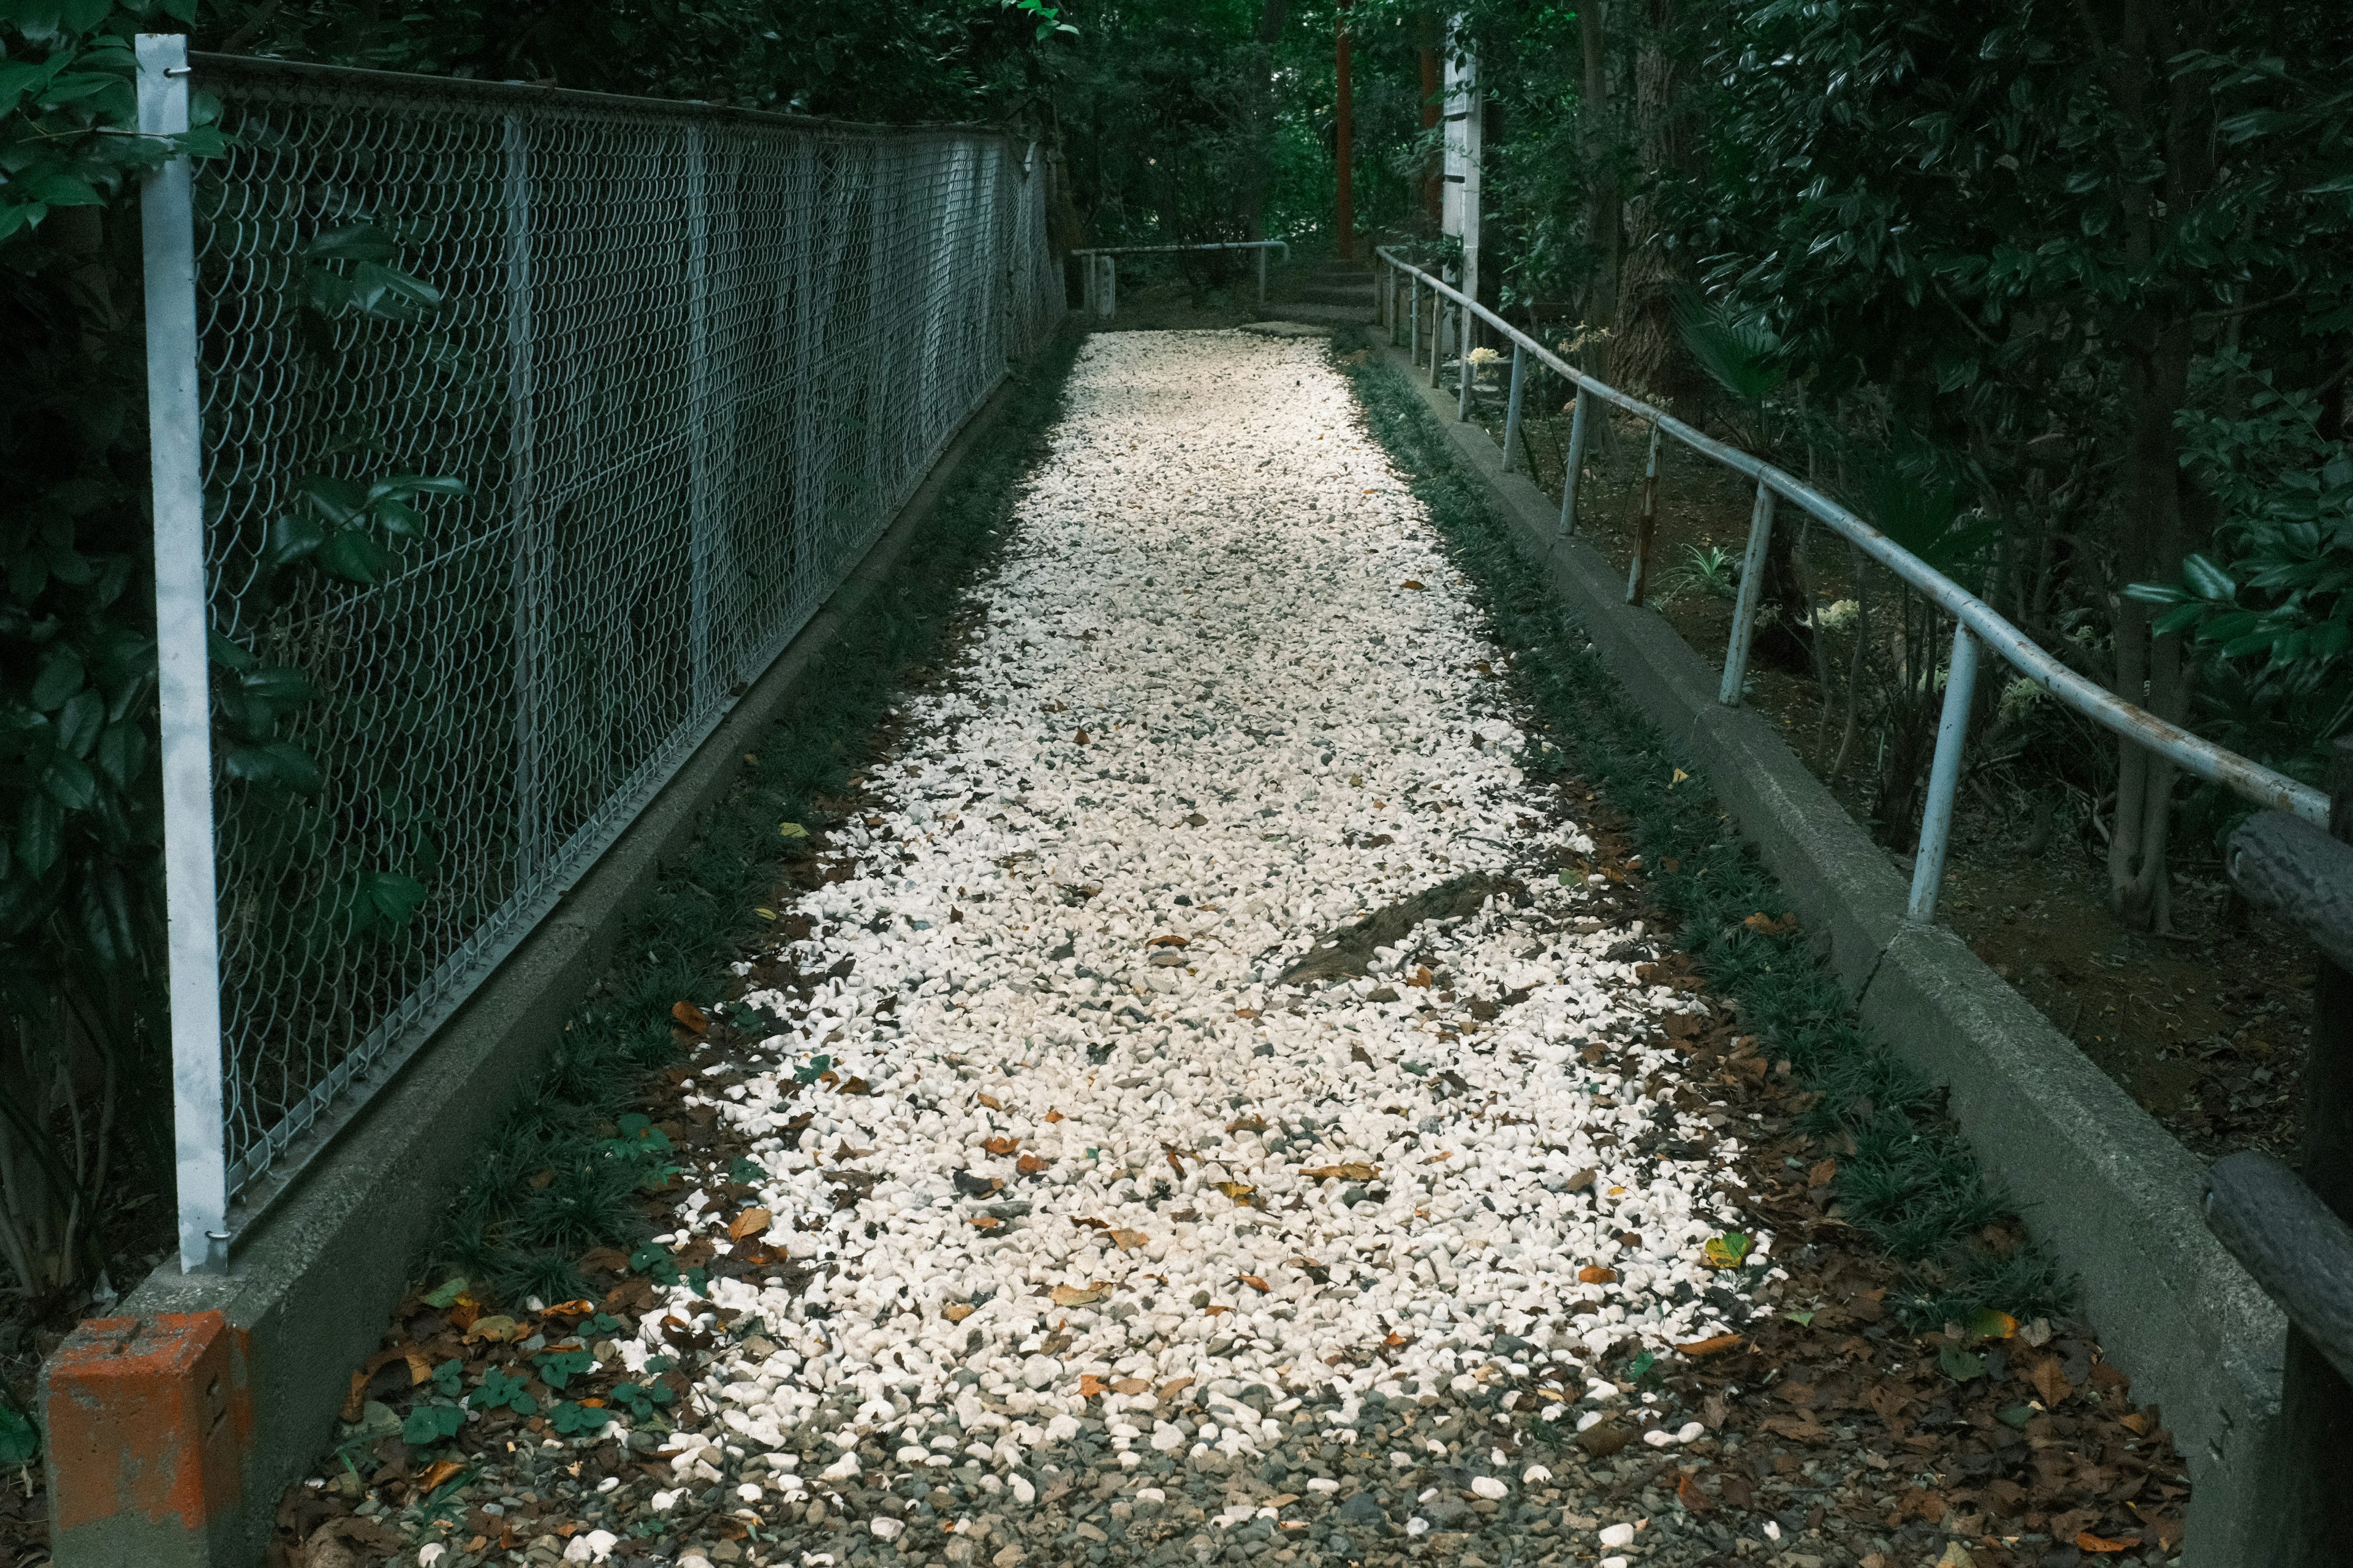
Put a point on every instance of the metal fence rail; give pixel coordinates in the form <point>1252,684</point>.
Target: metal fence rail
<point>1975,621</point>
<point>685,364</point>
<point>1099,268</point>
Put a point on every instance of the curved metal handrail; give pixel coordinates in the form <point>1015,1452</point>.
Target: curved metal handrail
<point>1975,618</point>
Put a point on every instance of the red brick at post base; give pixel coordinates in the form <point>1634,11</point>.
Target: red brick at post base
<point>148,1416</point>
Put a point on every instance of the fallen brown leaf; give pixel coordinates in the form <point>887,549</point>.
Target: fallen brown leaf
<point>1710,1345</point>
<point>1030,1165</point>
<point>1347,1170</point>
<point>1128,1240</point>
<point>1594,1274</point>
<point>2050,1381</point>
<point>1001,1146</point>
<point>957,1311</point>
<point>1054,1116</point>
<point>1075,1295</point>
<point>990,1100</point>
<point>751,1222</point>
<point>1255,1283</point>
<point>2086,1541</point>
<point>690,1017</point>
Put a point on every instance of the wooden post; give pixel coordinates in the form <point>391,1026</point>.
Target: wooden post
<point>2316,1405</point>
<point>1344,215</point>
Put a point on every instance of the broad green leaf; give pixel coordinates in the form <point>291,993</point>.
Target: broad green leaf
<point>354,557</point>
<point>79,721</point>
<point>41,833</point>
<point>61,676</point>
<point>69,782</point>
<point>279,763</point>
<point>2206,580</point>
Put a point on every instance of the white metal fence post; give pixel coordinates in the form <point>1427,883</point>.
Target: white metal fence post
<point>697,413</point>
<point>529,573</point>
<point>1413,321</point>
<point>183,619</point>
<point>1944,776</point>
<point>1751,592</point>
<point>1262,274</point>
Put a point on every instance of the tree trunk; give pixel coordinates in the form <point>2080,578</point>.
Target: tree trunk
<point>1432,192</point>
<point>1649,359</point>
<point>1603,225</point>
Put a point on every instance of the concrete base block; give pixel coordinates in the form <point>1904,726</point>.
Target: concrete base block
<point>2098,1182</point>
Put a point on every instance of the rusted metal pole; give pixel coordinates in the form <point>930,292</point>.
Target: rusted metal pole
<point>1343,137</point>
<point>1637,574</point>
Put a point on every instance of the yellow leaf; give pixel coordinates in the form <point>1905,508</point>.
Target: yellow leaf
<point>1127,1240</point>
<point>766,915</point>
<point>1680,776</point>
<point>957,1311</point>
<point>791,830</point>
<point>1236,1189</point>
<point>1076,1295</point>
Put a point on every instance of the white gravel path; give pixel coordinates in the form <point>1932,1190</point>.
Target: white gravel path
<point>1229,697</point>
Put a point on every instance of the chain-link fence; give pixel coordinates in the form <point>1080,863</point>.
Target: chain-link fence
<point>534,424</point>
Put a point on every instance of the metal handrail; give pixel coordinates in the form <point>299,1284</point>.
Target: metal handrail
<point>1100,284</point>
<point>1975,620</point>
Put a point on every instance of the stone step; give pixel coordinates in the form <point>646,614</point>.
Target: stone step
<point>1322,314</point>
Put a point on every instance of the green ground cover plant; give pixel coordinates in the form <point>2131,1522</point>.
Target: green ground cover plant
<point>1909,1182</point>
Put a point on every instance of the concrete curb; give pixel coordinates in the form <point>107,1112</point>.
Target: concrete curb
<point>2096,1180</point>
<point>312,1285</point>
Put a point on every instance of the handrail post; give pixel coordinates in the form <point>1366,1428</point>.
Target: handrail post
<point>1944,777</point>
<point>1752,596</point>
<point>1413,320</point>
<point>1574,471</point>
<point>1262,274</point>
<point>1637,571</point>
<point>1437,334</point>
<point>1462,363</point>
<point>1512,404</point>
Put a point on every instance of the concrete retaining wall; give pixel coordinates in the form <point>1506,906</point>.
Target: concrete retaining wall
<point>2107,1189</point>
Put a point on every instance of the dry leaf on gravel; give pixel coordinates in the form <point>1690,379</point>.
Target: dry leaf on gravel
<point>1076,1295</point>
<point>751,1222</point>
<point>690,1017</point>
<point>1348,1171</point>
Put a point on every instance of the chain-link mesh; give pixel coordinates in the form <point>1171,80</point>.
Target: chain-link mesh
<point>686,363</point>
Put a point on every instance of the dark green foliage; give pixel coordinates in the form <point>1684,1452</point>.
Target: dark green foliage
<point>574,1127</point>
<point>1910,1183</point>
